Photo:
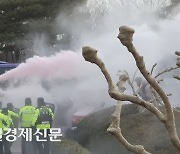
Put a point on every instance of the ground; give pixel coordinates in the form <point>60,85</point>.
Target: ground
<point>138,128</point>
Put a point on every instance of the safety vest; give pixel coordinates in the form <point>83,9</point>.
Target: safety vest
<point>5,122</point>
<point>12,114</point>
<point>26,115</point>
<point>43,118</point>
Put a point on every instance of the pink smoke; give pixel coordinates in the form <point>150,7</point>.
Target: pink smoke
<point>64,65</point>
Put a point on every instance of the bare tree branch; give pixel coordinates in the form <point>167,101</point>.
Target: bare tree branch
<point>167,70</point>
<point>130,83</point>
<point>138,149</point>
<point>176,77</point>
<point>90,55</point>
<point>134,75</point>
<point>115,117</point>
<point>178,62</point>
<point>158,81</point>
<point>153,68</point>
<point>177,53</point>
<point>156,96</point>
<point>126,38</point>
<point>114,127</point>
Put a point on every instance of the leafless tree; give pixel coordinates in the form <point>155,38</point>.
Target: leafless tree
<point>167,118</point>
<point>98,9</point>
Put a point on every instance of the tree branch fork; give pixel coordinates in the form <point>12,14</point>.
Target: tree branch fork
<point>126,38</point>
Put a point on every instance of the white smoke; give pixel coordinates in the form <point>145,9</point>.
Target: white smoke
<point>59,76</point>
<point>66,74</point>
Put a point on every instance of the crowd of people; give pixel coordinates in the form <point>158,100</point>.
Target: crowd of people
<point>34,119</point>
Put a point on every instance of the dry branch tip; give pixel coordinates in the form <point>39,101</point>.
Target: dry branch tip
<point>126,35</point>
<point>177,53</point>
<point>178,61</point>
<point>89,54</point>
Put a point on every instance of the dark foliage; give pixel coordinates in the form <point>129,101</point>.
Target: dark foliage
<point>18,18</point>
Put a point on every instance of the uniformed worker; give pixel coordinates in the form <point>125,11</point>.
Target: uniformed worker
<point>5,123</point>
<point>13,115</point>
<point>26,114</point>
<point>43,120</point>
<point>11,112</point>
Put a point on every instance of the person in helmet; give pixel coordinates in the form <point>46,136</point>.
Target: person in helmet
<point>26,114</point>
<point>11,112</point>
<point>43,120</point>
<point>13,115</point>
<point>5,123</point>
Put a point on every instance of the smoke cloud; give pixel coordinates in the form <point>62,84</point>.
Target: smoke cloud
<point>66,75</point>
<point>65,65</point>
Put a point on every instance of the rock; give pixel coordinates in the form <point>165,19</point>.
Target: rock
<point>138,128</point>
